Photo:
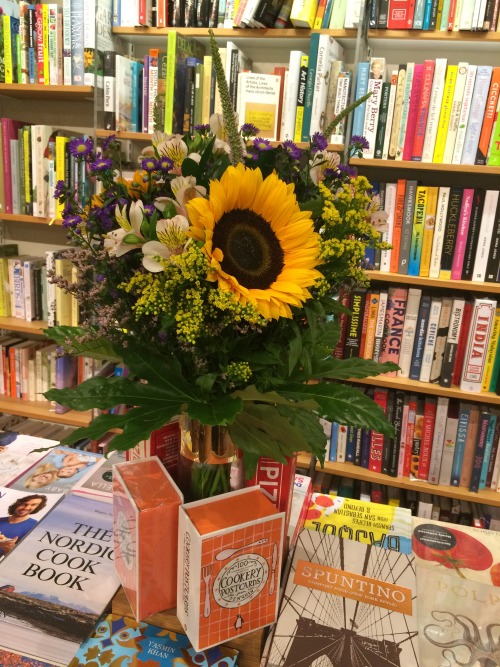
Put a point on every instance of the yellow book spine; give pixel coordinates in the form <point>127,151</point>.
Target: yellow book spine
<point>444,115</point>
<point>45,33</point>
<point>303,13</point>
<point>27,170</point>
<point>62,268</point>
<point>207,88</point>
<point>4,291</point>
<point>371,325</point>
<point>75,308</point>
<point>439,13</point>
<point>7,49</point>
<point>60,168</point>
<point>429,224</point>
<point>492,350</point>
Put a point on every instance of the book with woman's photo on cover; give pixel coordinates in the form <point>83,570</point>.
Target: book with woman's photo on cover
<point>57,472</point>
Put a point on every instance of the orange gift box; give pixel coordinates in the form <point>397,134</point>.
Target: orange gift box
<point>229,566</point>
<point>146,517</point>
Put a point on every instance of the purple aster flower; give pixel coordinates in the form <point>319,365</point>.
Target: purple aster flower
<point>100,278</point>
<point>69,208</point>
<point>291,149</point>
<point>318,141</point>
<point>72,221</point>
<point>59,189</point>
<point>250,129</point>
<point>107,141</point>
<point>103,164</point>
<point>165,164</point>
<point>357,140</point>
<point>262,144</point>
<point>149,164</point>
<point>347,170</point>
<point>80,147</point>
<point>202,128</point>
<point>149,209</point>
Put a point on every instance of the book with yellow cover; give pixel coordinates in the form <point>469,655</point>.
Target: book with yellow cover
<point>428,236</point>
<point>60,168</point>
<point>444,114</point>
<point>45,19</point>
<point>303,13</point>
<point>417,233</point>
<point>372,303</point>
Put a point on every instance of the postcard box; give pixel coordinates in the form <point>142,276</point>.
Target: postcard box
<point>229,566</point>
<point>146,505</point>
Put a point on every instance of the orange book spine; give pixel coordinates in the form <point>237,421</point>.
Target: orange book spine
<point>398,224</point>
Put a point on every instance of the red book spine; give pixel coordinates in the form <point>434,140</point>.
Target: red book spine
<point>423,110</point>
<point>416,90</point>
<point>376,496</point>
<point>410,431</point>
<point>451,14</point>
<point>161,14</point>
<point>280,71</point>
<point>398,224</point>
<point>12,372</point>
<point>377,439</point>
<point>427,436</point>
<point>39,42</point>
<point>400,14</point>
<point>462,343</point>
<point>488,118</point>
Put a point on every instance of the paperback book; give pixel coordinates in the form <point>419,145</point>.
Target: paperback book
<point>18,453</point>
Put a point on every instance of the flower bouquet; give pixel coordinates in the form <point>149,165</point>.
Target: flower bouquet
<point>213,275</point>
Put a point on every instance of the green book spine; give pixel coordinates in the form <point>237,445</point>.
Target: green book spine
<point>311,76</point>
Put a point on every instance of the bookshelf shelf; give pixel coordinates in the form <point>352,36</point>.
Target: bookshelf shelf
<point>486,288</point>
<point>435,36</point>
<point>43,411</point>
<point>51,93</point>
<point>234,33</point>
<point>14,217</point>
<point>428,388</point>
<point>16,324</point>
<point>487,497</point>
<point>406,165</point>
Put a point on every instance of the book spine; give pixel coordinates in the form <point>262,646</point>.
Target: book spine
<point>390,115</point>
<point>436,97</point>
<point>477,345</point>
<point>438,440</point>
<point>430,339</point>
<point>398,110</point>
<point>489,118</point>
<point>380,396</point>
<point>441,338</point>
<point>397,420</point>
<point>464,114</point>
<point>380,326</point>
<point>445,113</point>
<point>492,351</point>
<point>356,306</point>
<point>420,336</point>
<point>410,68</point>
<point>371,116</point>
<point>462,428</point>
<point>363,73</point>
<point>77,50</point>
<point>477,108</point>
<point>310,84</point>
<point>429,227</point>
<point>451,230</point>
<point>471,246</point>
<point>456,106</point>
<point>417,231</point>
<point>394,321</point>
<point>382,121</point>
<point>416,88</point>
<point>430,408</point>
<point>425,98</point>
<point>479,451</point>
<point>462,343</point>
<point>450,438</point>
<point>462,234</point>
<point>397,228</point>
<point>488,450</point>
<point>409,331</point>
<point>406,231</point>
<point>493,261</point>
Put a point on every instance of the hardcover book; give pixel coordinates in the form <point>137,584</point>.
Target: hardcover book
<point>345,599</point>
<point>60,581</point>
<point>483,313</point>
<point>258,102</point>
<point>119,640</point>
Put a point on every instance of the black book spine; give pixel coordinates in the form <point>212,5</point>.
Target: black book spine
<point>451,228</point>
<point>175,13</point>
<point>493,263</point>
<point>388,442</point>
<point>358,446</point>
<point>450,349</point>
<point>109,83</point>
<point>399,400</point>
<point>201,11</point>
<point>473,233</point>
<point>354,327</point>
<point>373,8</point>
<point>477,461</point>
<point>434,11</point>
<point>214,14</point>
<point>37,291</point>
<point>154,13</point>
<point>383,11</point>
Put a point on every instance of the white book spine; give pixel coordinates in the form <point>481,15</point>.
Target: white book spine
<point>152,93</point>
<point>29,302</point>
<point>438,439</point>
<point>434,109</point>
<point>389,207</point>
<point>89,14</point>
<point>341,443</point>
<point>439,229</point>
<point>485,235</point>
<point>50,259</point>
<point>250,9</point>
<point>458,14</point>
<point>341,102</point>
<point>352,14</point>
<point>129,16</point>
<point>466,15</point>
<point>450,437</point>
<point>67,42</point>
<point>404,113</point>
<point>380,325</point>
<point>371,115</point>
<point>456,107</point>
<point>444,323</point>
<point>464,114</point>
<point>430,340</point>
<point>478,105</point>
<point>483,313</point>
<point>424,509</point>
<point>390,116</point>
<point>409,329</point>
<point>328,51</point>
<point>290,95</point>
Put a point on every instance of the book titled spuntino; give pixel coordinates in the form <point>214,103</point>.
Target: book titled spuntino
<point>346,603</point>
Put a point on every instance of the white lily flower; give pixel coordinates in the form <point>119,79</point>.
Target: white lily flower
<point>185,189</point>
<point>320,162</point>
<point>172,241</point>
<point>130,223</point>
<point>174,148</point>
<point>196,157</point>
<point>153,251</point>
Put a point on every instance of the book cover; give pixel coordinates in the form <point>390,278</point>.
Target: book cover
<point>463,117</point>
<point>483,313</point>
<point>53,592</point>
<point>300,101</point>
<point>386,526</point>
<point>400,14</point>
<point>57,471</point>
<point>409,331</point>
<point>417,232</point>
<point>258,102</point>
<point>339,602</point>
<point>118,640</point>
<point>457,571</point>
<point>420,337</point>
<point>476,114</point>
<point>455,109</point>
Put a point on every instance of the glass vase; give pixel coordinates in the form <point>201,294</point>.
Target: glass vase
<point>209,463</point>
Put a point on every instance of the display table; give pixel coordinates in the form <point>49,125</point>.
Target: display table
<point>249,645</point>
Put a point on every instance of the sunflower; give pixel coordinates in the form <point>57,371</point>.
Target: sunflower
<point>261,246</point>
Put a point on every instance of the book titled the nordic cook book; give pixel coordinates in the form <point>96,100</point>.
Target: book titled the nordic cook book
<point>59,581</point>
<point>346,604</point>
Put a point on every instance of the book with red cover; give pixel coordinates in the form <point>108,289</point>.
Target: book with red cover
<point>380,396</point>
<point>462,343</point>
<point>416,90</point>
<point>400,14</point>
<point>398,224</point>
<point>423,110</point>
<point>394,322</point>
<point>430,406</point>
<point>488,118</point>
<point>343,319</point>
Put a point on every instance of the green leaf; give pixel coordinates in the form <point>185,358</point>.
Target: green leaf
<point>131,239</point>
<point>294,347</point>
<point>342,404</point>
<point>206,382</point>
<point>217,411</point>
<point>251,393</point>
<point>97,348</point>
<point>190,168</point>
<point>355,368</point>
<point>308,423</point>
<point>97,429</point>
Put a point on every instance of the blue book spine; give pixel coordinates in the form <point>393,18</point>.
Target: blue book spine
<point>477,461</point>
<point>350,449</point>
<point>136,94</point>
<point>365,448</point>
<point>358,119</point>
<point>327,15</point>
<point>458,457</point>
<point>418,15</point>
<point>333,442</point>
<point>311,77</point>
<point>419,344</point>
<point>77,51</point>
<point>117,13</point>
<point>427,15</point>
<point>490,435</point>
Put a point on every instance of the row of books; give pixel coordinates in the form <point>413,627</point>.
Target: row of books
<point>439,15</point>
<point>437,440</point>
<point>446,340</point>
<point>55,44</point>
<point>447,232</point>
<point>429,112</point>
<point>33,159</point>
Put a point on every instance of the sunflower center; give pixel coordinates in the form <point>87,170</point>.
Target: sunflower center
<point>252,251</point>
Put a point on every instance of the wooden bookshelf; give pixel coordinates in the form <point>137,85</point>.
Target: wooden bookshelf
<point>44,411</point>
<point>15,217</point>
<point>16,324</point>
<point>52,93</point>
<point>487,496</point>
<point>435,35</point>
<point>407,165</point>
<point>478,288</point>
<point>235,33</point>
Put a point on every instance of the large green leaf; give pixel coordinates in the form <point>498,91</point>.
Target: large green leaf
<point>307,422</point>
<point>97,348</point>
<point>252,394</point>
<point>342,404</point>
<point>220,410</point>
<point>355,368</point>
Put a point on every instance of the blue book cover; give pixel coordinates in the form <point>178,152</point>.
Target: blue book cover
<point>325,24</point>
<point>418,15</point>
<point>458,457</point>
<point>479,451</point>
<point>358,118</point>
<point>311,77</point>
<point>77,50</point>
<point>476,114</point>
<point>333,442</point>
<point>421,331</point>
<point>137,69</point>
<point>426,24</point>
<point>490,435</point>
